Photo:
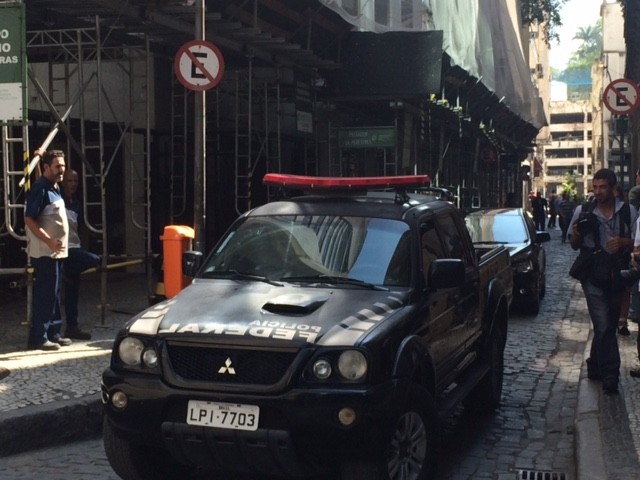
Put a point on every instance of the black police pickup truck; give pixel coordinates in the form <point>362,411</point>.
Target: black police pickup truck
<point>323,336</point>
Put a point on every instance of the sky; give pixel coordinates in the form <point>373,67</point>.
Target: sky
<point>574,14</point>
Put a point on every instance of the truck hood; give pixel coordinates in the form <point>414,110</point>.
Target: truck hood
<point>254,312</point>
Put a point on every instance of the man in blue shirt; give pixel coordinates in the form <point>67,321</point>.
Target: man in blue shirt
<point>47,231</point>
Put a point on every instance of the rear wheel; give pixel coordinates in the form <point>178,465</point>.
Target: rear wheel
<point>486,396</point>
<point>533,305</point>
<point>136,462</point>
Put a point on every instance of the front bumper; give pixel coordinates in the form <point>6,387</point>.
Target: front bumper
<point>299,433</point>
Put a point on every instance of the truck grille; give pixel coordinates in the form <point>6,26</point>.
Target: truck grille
<point>231,366</point>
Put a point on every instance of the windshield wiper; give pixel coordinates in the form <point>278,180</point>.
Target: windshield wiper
<point>236,275</point>
<point>331,279</point>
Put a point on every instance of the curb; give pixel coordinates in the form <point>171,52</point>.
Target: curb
<point>48,425</point>
<point>588,449</point>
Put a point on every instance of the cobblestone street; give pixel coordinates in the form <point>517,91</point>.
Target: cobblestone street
<point>533,432</point>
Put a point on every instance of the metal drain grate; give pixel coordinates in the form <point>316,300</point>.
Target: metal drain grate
<point>539,475</point>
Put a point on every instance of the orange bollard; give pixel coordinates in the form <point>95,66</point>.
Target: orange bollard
<point>175,241</point>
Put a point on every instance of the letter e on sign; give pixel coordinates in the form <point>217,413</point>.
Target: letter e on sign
<point>621,96</point>
<point>199,65</point>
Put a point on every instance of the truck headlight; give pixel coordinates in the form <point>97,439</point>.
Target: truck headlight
<point>523,267</point>
<point>337,365</point>
<point>150,358</point>
<point>130,351</point>
<point>322,368</point>
<point>352,365</point>
<point>133,352</point>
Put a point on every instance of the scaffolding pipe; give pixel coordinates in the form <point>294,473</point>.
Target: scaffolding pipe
<point>54,131</point>
<point>103,193</point>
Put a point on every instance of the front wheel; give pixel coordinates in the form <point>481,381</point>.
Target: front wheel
<point>409,451</point>
<point>136,462</point>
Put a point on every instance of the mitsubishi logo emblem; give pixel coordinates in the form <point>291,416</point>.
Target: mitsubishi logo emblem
<point>227,368</point>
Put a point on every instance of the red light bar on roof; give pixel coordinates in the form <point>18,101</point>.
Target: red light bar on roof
<point>345,183</point>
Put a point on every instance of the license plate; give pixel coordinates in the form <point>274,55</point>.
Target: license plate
<point>223,415</point>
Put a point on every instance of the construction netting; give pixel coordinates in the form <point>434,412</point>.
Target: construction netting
<point>479,37</point>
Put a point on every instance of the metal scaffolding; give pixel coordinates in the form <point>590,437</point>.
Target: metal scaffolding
<point>70,86</point>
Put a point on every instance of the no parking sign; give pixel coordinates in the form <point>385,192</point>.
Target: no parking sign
<point>621,96</point>
<point>199,65</point>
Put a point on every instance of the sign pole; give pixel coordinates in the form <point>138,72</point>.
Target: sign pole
<point>199,66</point>
<point>199,164</point>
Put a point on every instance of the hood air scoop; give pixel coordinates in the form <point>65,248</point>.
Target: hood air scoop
<point>294,304</point>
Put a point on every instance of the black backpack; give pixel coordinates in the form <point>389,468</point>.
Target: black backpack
<point>625,212</point>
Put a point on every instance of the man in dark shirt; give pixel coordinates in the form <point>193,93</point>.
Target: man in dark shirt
<point>539,207</point>
<point>605,230</point>
<point>566,207</point>
<point>553,200</point>
<point>79,259</point>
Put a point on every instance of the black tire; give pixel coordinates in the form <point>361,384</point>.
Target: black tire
<point>137,462</point>
<point>486,396</point>
<point>533,305</point>
<point>410,449</point>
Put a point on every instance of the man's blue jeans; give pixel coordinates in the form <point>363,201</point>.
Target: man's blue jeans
<point>78,261</point>
<point>604,309</point>
<point>45,316</point>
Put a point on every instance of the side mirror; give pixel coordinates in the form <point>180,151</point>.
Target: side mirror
<point>191,262</point>
<point>446,273</point>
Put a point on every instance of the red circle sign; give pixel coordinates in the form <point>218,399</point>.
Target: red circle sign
<point>621,96</point>
<point>199,65</point>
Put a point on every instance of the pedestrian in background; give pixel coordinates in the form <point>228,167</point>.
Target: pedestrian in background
<point>47,230</point>
<point>623,325</point>
<point>78,260</point>
<point>566,207</point>
<point>634,192</point>
<point>553,204</point>
<point>539,207</point>
<point>604,229</point>
<point>634,302</point>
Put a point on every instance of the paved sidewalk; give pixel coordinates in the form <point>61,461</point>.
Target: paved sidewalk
<point>608,426</point>
<point>49,398</point>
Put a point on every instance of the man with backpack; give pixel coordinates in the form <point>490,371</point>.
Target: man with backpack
<point>602,231</point>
